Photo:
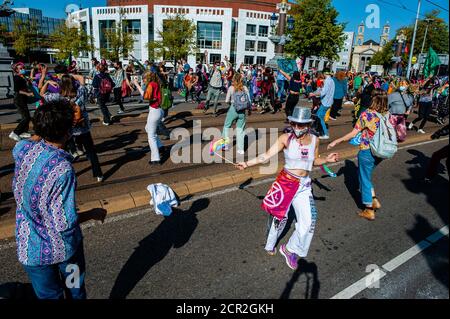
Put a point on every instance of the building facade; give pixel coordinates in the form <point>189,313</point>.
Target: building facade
<point>46,25</point>
<point>363,51</point>
<point>238,30</point>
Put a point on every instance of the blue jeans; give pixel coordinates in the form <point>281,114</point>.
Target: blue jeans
<point>321,115</point>
<point>49,281</point>
<point>280,93</point>
<point>366,164</point>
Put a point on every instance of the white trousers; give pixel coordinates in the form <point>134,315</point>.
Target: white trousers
<point>153,119</point>
<point>306,217</point>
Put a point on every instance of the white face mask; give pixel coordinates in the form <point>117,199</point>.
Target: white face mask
<point>402,88</point>
<point>301,132</point>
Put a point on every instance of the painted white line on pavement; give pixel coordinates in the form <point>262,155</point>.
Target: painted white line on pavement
<point>360,285</point>
<point>391,265</point>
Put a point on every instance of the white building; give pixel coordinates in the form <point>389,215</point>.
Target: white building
<point>95,20</point>
<point>244,39</point>
<point>344,60</point>
<point>342,63</point>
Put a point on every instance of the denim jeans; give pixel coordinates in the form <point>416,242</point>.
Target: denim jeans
<point>240,118</point>
<point>50,281</point>
<point>366,164</point>
<point>321,115</point>
<point>280,93</point>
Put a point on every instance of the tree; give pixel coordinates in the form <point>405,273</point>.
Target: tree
<point>25,37</point>
<point>70,41</point>
<point>3,34</point>
<point>437,34</point>
<point>316,31</point>
<point>119,42</point>
<point>178,39</point>
<point>384,56</point>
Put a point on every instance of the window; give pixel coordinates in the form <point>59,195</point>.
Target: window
<point>248,59</point>
<point>132,26</point>
<point>261,60</point>
<point>263,31</point>
<point>251,29</point>
<point>249,45</point>
<point>104,26</point>
<point>214,58</point>
<point>209,35</point>
<point>262,46</point>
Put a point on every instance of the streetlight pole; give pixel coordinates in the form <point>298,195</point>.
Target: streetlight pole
<point>280,38</point>
<point>408,71</point>
<point>425,36</point>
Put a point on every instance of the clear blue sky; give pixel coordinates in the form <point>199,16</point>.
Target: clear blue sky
<point>397,12</point>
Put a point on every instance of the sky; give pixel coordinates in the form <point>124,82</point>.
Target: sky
<point>398,12</point>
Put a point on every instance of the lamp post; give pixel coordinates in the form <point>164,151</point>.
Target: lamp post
<point>280,39</point>
<point>401,38</point>
<point>428,20</point>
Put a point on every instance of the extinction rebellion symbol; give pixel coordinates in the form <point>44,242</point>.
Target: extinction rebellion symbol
<point>275,196</point>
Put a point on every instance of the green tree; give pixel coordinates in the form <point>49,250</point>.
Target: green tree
<point>3,34</point>
<point>119,42</point>
<point>25,37</point>
<point>70,41</point>
<point>437,35</point>
<point>178,39</point>
<point>384,56</point>
<point>316,31</point>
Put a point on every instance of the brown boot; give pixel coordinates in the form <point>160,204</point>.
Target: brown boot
<point>376,203</point>
<point>367,213</point>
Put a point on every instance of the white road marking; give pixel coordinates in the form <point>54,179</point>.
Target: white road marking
<point>391,265</point>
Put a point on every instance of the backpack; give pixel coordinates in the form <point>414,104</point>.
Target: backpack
<point>241,101</point>
<point>105,86</point>
<point>166,102</point>
<point>384,142</point>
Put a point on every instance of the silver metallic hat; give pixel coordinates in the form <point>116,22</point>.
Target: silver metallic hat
<point>301,115</point>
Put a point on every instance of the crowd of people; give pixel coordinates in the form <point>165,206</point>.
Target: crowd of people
<point>47,224</point>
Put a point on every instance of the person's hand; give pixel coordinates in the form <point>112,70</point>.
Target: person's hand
<point>331,145</point>
<point>333,158</point>
<point>30,94</point>
<point>241,166</point>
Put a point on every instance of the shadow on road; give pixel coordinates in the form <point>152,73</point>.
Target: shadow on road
<point>17,291</point>
<point>436,194</point>
<point>312,285</point>
<point>351,181</point>
<point>174,232</point>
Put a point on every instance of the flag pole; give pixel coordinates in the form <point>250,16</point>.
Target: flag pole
<point>408,71</point>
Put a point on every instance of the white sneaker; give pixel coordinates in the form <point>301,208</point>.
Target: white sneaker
<point>421,131</point>
<point>25,135</point>
<point>106,124</point>
<point>240,152</point>
<point>410,126</point>
<point>15,137</point>
<point>324,137</point>
<point>100,179</point>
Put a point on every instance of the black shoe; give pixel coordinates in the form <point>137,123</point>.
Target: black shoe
<point>155,163</point>
<point>216,114</point>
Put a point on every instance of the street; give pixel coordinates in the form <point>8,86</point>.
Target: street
<point>212,246</point>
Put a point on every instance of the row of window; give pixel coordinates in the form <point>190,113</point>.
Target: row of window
<point>263,31</point>
<point>249,59</point>
<point>250,46</point>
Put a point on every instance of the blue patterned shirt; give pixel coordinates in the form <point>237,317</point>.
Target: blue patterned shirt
<point>47,229</point>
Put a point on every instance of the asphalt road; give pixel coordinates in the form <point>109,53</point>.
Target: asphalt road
<point>212,245</point>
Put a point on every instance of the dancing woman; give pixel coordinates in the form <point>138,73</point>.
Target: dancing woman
<point>293,186</point>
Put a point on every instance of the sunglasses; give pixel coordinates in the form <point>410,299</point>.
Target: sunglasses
<point>294,124</point>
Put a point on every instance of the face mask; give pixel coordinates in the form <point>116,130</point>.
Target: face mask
<point>402,88</point>
<point>301,132</point>
<point>23,72</point>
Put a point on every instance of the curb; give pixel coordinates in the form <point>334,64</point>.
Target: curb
<point>12,126</point>
<point>122,203</point>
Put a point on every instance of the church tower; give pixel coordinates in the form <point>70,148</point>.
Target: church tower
<point>360,35</point>
<point>384,38</point>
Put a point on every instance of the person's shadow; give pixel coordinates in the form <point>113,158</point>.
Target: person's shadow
<point>175,231</point>
<point>351,181</point>
<point>312,280</point>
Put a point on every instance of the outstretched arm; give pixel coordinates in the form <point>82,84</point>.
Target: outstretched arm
<point>273,150</point>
